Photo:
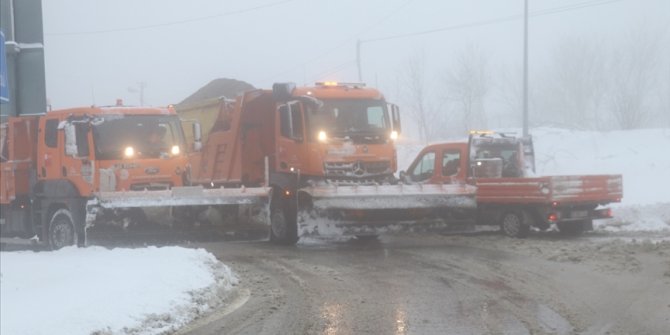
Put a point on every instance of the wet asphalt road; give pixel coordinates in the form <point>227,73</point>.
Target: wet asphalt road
<point>424,284</point>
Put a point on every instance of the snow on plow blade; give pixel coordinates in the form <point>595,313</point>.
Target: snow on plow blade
<point>181,196</point>
<point>374,210</point>
<point>176,197</point>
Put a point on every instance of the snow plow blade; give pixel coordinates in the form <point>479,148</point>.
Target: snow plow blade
<point>175,197</point>
<point>181,196</point>
<point>377,209</point>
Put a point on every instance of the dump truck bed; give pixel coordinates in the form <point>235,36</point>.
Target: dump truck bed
<point>597,189</point>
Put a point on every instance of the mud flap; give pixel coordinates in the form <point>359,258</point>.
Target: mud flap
<point>377,209</point>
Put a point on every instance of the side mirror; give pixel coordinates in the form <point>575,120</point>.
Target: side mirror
<point>197,136</point>
<point>395,118</point>
<point>70,140</point>
<point>404,178</point>
<point>283,91</point>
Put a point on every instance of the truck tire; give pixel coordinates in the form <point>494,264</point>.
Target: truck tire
<point>62,231</point>
<point>283,225</point>
<point>573,228</point>
<point>515,224</point>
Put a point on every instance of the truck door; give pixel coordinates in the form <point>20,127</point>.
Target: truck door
<point>423,168</point>
<point>291,136</point>
<point>49,150</point>
<point>451,168</point>
<point>77,161</point>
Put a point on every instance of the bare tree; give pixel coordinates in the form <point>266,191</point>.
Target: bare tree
<point>414,93</point>
<point>467,85</point>
<point>509,90</point>
<point>573,90</point>
<point>634,78</point>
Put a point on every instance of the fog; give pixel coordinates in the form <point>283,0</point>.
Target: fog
<point>421,53</point>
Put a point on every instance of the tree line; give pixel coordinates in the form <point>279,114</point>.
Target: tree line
<point>586,84</point>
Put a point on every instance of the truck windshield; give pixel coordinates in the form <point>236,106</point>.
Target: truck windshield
<point>350,118</point>
<point>150,136</point>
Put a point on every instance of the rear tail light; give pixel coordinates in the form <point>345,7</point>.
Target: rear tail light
<point>604,213</point>
<point>553,217</point>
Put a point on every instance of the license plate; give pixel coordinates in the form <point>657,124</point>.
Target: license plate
<point>579,214</point>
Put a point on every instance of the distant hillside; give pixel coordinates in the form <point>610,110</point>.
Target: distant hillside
<point>217,88</point>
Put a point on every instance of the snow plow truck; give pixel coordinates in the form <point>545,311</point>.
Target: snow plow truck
<point>509,194</point>
<point>63,170</point>
<point>328,154</point>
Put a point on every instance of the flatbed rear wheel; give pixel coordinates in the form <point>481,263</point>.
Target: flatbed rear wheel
<point>515,224</point>
<point>62,232</point>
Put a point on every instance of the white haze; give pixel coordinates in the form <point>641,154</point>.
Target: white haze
<point>97,51</point>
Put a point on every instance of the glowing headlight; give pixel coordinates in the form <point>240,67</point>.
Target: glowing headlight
<point>322,136</point>
<point>129,152</point>
<point>394,135</point>
<point>175,150</point>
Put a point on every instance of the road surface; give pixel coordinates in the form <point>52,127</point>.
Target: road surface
<point>431,284</point>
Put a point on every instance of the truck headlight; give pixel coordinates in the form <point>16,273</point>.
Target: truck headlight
<point>394,135</point>
<point>129,152</point>
<point>322,136</point>
<point>175,150</point>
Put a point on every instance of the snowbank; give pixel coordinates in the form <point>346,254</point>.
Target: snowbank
<point>95,290</point>
<point>641,156</point>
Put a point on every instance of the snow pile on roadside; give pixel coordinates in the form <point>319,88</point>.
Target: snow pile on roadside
<point>101,291</point>
<point>639,155</point>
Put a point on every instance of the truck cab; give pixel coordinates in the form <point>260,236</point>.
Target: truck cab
<point>113,149</point>
<point>336,132</point>
<point>55,163</point>
<point>508,192</point>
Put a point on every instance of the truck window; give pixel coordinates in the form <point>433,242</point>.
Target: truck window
<point>284,121</point>
<point>451,162</point>
<point>424,168</point>
<point>51,133</point>
<point>376,117</point>
<point>290,121</point>
<point>152,136</point>
<point>81,131</point>
<point>296,121</point>
<point>357,119</point>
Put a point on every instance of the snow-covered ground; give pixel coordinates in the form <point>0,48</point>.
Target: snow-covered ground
<point>99,291</point>
<point>641,156</point>
<point>151,290</point>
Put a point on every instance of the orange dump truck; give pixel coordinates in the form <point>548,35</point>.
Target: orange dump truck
<point>509,194</point>
<point>326,151</point>
<point>61,170</point>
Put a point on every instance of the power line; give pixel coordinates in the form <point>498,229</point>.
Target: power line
<point>333,70</point>
<point>498,20</point>
<point>347,41</point>
<point>165,24</point>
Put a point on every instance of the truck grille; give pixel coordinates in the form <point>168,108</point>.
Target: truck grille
<point>358,169</point>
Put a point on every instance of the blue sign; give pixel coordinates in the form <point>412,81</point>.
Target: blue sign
<point>4,80</point>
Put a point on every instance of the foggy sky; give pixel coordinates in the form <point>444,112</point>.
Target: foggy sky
<point>96,50</point>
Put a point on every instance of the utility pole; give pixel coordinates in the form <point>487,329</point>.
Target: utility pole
<point>140,90</point>
<point>358,60</point>
<point>525,69</point>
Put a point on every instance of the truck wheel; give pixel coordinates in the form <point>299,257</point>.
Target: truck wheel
<point>283,226</point>
<point>62,232</point>
<point>515,224</point>
<point>574,228</point>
